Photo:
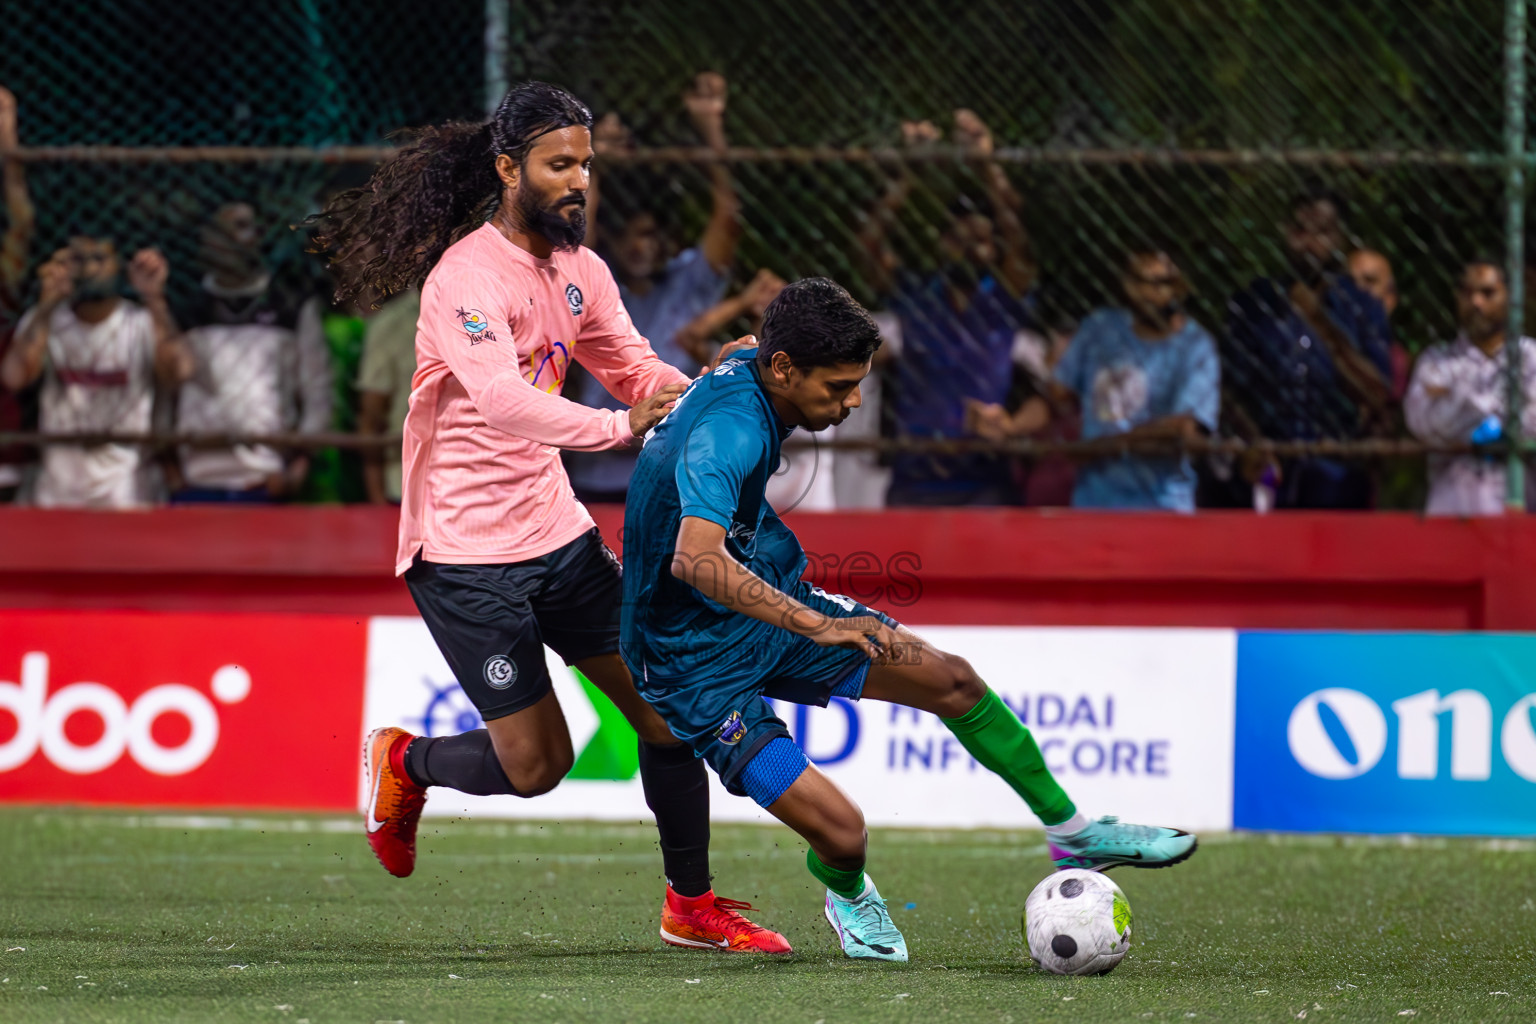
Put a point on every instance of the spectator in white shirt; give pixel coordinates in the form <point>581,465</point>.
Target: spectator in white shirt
<point>1457,395</point>
<point>259,366</point>
<point>98,356</point>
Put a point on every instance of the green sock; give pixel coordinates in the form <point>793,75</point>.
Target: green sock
<point>992,734</point>
<point>848,884</point>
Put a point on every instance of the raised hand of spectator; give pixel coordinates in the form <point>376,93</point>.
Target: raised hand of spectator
<point>56,280</point>
<point>919,133</point>
<point>761,290</point>
<point>610,135</point>
<point>972,134</point>
<point>705,100</point>
<point>8,136</point>
<point>148,272</point>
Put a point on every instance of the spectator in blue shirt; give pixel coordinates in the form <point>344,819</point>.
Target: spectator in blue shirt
<point>959,322</point>
<point>1309,358</point>
<point>1148,371</point>
<point>676,302</point>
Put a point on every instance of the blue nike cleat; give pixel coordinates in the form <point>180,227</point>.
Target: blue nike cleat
<point>1107,843</point>
<point>864,926</point>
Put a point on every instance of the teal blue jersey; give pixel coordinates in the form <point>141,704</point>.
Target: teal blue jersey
<point>711,457</point>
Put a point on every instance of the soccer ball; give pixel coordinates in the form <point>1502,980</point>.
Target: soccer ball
<point>1077,922</point>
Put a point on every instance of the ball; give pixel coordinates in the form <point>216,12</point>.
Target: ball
<point>1077,922</point>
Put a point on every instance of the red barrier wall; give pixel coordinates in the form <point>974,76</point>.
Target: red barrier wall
<point>1004,566</point>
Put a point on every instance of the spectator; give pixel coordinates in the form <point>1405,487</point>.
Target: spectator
<point>958,322</point>
<point>98,356</point>
<point>1373,273</point>
<point>254,368</point>
<point>1148,371</point>
<point>1309,359</point>
<point>675,302</point>
<point>1458,395</point>
<point>17,412</point>
<point>384,390</point>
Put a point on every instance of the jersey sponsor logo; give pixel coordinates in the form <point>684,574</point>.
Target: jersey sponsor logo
<point>475,325</point>
<point>556,359</point>
<point>500,672</point>
<point>573,299</point>
<point>733,730</point>
<point>89,378</point>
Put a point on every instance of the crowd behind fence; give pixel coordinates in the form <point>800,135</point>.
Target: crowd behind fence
<point>1163,253</point>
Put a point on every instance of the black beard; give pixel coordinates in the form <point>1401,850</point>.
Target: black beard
<point>545,220</point>
<point>93,290</point>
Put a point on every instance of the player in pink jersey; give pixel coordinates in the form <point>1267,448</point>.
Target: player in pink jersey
<point>499,556</point>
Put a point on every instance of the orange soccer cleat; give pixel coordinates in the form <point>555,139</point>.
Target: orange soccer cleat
<point>394,801</point>
<point>708,922</point>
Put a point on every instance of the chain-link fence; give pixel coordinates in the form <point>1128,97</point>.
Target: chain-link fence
<point>1088,129</point>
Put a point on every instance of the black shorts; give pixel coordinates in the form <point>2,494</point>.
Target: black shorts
<point>492,621</point>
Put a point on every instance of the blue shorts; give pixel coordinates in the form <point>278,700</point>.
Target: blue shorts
<point>717,705</point>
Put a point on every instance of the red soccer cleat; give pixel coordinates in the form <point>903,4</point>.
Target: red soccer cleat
<point>708,922</point>
<point>394,801</point>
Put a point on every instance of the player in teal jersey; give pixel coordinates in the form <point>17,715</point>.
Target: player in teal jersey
<point>716,616</point>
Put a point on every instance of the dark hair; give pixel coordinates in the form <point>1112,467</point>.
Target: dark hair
<point>1314,191</point>
<point>1483,260</point>
<point>441,185</point>
<point>1145,248</point>
<point>964,205</point>
<point>817,323</point>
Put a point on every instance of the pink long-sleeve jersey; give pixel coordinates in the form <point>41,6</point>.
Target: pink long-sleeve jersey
<point>499,327</point>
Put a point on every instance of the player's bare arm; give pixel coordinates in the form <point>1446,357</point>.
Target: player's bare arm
<point>702,560</point>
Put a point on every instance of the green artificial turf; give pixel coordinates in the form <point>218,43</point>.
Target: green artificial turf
<point>165,918</point>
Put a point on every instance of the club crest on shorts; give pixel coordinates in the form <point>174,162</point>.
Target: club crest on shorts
<point>573,299</point>
<point>500,673</point>
<point>732,730</point>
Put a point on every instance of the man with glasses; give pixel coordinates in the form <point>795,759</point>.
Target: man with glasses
<point>1148,371</point>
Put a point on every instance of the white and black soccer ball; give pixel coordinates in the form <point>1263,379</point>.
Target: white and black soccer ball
<point>1077,922</point>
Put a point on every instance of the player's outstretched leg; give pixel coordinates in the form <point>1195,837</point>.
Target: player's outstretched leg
<point>677,792</point>
<point>932,680</point>
<point>780,779</point>
<point>523,754</point>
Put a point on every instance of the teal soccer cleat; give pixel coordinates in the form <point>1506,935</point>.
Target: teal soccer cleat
<point>864,926</point>
<point>1107,843</point>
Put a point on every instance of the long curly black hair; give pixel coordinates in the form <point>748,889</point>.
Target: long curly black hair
<point>385,237</point>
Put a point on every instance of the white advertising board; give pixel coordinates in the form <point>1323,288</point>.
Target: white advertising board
<point>1135,722</point>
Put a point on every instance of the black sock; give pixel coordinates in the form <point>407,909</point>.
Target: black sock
<point>677,792</point>
<point>466,762</point>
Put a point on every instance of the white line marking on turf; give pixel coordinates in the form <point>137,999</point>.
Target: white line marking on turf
<point>978,842</point>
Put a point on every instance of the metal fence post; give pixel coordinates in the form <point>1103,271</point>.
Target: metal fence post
<point>497,17</point>
<point>1514,148</point>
